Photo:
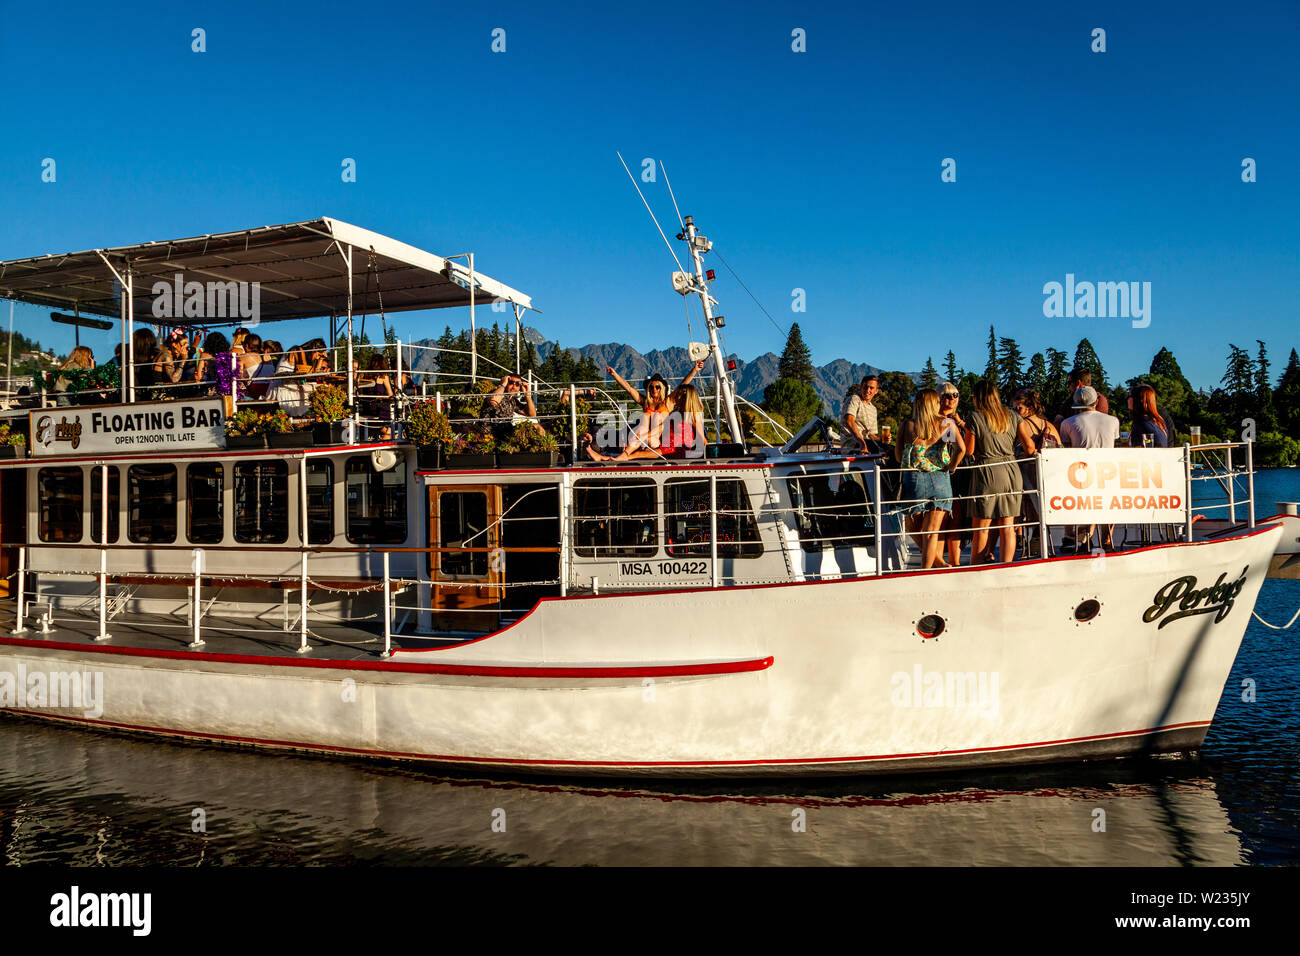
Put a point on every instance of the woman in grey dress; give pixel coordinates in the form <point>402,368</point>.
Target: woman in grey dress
<point>995,483</point>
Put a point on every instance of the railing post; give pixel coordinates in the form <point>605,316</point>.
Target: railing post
<point>880,540</point>
<point>437,400</point>
<point>302,608</point>
<point>1250,482</point>
<point>1042,512</point>
<point>103,593</point>
<point>388,616</point>
<point>22,580</point>
<point>573,420</point>
<point>566,531</point>
<point>196,638</point>
<point>1187,474</point>
<point>1232,486</point>
<point>713,528</point>
<point>234,383</point>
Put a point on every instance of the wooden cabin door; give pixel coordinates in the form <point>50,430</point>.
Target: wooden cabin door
<point>464,563</point>
<point>13,524</point>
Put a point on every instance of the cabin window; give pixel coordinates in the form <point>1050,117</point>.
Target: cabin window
<point>376,502</point>
<point>832,511</point>
<point>615,518</point>
<point>97,503</point>
<point>203,486</point>
<point>688,522</point>
<point>262,502</point>
<point>61,495</point>
<point>463,523</point>
<point>320,502</point>
<point>151,495</point>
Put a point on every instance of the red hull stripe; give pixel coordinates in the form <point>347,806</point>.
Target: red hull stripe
<point>524,761</point>
<point>700,669</point>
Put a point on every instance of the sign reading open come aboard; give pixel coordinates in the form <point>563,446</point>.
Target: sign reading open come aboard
<point>196,424</point>
<point>1114,485</point>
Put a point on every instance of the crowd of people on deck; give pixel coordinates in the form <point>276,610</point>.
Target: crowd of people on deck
<point>245,365</point>
<point>967,473</point>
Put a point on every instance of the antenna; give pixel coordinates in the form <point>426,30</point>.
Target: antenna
<point>670,193</point>
<point>651,211</point>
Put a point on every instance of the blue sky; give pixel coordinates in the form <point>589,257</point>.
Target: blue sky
<point>817,170</point>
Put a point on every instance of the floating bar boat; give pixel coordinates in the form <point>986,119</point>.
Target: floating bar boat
<point>749,610</point>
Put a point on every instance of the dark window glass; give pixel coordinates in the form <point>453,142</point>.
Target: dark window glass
<point>376,502</point>
<point>262,502</point>
<point>97,499</point>
<point>686,514</point>
<point>833,511</point>
<point>203,503</point>
<point>615,518</point>
<point>151,503</point>
<point>462,523</point>
<point>320,502</point>
<point>61,496</point>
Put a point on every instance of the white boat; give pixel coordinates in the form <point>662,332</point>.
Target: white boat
<point>750,612</point>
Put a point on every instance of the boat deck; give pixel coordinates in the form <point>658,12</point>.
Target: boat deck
<point>221,635</point>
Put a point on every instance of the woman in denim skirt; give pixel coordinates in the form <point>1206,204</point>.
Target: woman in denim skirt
<point>927,485</point>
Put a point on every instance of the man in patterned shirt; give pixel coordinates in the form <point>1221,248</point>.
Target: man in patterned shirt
<point>860,415</point>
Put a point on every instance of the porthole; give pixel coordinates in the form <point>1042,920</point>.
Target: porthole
<point>1087,610</point>
<point>932,625</point>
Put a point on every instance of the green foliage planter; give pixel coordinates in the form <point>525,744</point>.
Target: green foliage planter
<point>527,447</point>
<point>470,461</point>
<point>245,441</point>
<point>429,457</point>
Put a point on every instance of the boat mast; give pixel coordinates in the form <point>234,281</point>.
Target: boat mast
<point>699,245</point>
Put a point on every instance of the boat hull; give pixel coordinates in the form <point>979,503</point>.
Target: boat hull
<point>792,679</point>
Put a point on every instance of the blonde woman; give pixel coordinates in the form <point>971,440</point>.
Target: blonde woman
<point>995,483</point>
<point>927,486</point>
<point>82,359</point>
<point>684,432</point>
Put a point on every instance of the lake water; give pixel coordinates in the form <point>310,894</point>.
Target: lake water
<point>72,796</point>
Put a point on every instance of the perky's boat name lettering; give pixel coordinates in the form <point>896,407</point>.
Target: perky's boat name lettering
<point>1215,599</point>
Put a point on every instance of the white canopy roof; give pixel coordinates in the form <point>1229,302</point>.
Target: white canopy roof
<point>300,267</point>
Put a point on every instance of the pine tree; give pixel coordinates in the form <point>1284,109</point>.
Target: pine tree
<point>1085,356</point>
<point>991,366</point>
<point>1036,376</point>
<point>1286,399</point>
<point>1239,379</point>
<point>1010,362</point>
<point>796,359</point>
<point>1058,374</point>
<point>929,375</point>
<point>1261,370</point>
<point>1265,413</point>
<point>1166,365</point>
<point>950,367</point>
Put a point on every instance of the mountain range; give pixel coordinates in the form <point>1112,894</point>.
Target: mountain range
<point>831,380</point>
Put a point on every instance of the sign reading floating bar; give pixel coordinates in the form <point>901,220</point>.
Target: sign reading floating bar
<point>1114,485</point>
<point>163,426</point>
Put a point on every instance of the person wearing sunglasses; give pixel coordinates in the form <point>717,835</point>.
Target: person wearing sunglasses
<point>511,403</point>
<point>656,403</point>
<point>955,523</point>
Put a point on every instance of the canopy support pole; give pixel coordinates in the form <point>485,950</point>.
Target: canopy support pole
<point>347,257</point>
<point>518,311</point>
<point>473,330</point>
<point>123,307</point>
<point>127,365</point>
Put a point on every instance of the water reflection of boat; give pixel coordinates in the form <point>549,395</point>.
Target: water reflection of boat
<point>99,798</point>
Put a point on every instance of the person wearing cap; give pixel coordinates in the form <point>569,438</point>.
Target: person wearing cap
<point>1078,378</point>
<point>1089,428</point>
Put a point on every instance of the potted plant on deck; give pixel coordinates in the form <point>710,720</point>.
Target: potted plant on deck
<point>430,430</point>
<point>244,430</point>
<point>528,447</point>
<point>474,451</point>
<point>329,406</point>
<point>280,432</point>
